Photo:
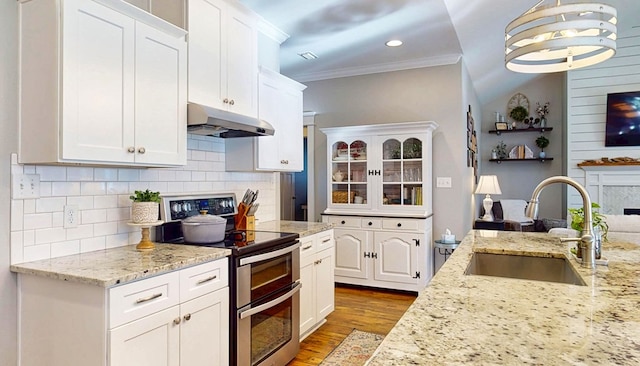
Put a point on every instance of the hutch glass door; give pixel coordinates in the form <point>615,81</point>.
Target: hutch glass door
<point>349,173</point>
<point>402,172</point>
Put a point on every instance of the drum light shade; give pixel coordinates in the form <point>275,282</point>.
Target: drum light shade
<point>558,37</point>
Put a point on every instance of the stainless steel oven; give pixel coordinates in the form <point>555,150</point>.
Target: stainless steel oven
<point>268,307</point>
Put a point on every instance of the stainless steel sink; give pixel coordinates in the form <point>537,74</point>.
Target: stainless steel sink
<point>524,267</point>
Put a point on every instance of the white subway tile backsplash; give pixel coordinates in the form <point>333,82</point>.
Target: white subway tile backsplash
<point>51,173</point>
<point>93,216</point>
<point>37,221</point>
<point>65,188</point>
<point>63,248</point>
<point>80,232</point>
<point>50,204</point>
<point>93,188</point>
<point>102,196</point>
<point>79,174</point>
<point>44,236</point>
<point>92,244</point>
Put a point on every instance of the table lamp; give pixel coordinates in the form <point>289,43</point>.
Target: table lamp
<point>488,185</point>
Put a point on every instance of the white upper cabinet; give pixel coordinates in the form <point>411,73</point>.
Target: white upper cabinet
<point>102,82</point>
<point>280,104</point>
<point>223,66</point>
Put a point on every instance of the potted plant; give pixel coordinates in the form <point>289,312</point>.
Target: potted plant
<point>145,207</point>
<point>501,150</point>
<point>542,142</point>
<point>519,113</point>
<point>600,226</point>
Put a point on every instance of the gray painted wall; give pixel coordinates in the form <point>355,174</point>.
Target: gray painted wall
<point>440,94</point>
<point>8,144</point>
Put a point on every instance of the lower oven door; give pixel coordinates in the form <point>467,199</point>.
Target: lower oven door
<point>269,330</point>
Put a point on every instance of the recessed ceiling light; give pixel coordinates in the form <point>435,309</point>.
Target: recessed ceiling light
<point>308,55</point>
<point>394,43</point>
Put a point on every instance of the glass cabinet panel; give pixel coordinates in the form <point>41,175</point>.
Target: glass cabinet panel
<point>349,173</point>
<point>402,172</point>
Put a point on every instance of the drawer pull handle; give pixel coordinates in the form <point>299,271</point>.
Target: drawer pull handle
<point>177,321</point>
<point>326,240</point>
<point>149,298</point>
<point>307,247</point>
<point>370,223</point>
<point>187,317</point>
<point>343,222</point>
<point>399,224</point>
<point>207,280</point>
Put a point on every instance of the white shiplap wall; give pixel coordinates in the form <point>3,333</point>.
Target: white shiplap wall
<point>587,91</point>
<point>102,196</point>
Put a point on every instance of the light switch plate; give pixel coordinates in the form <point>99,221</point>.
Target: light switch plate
<point>443,182</point>
<point>25,186</point>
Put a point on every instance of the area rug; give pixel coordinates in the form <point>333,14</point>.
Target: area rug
<point>354,350</point>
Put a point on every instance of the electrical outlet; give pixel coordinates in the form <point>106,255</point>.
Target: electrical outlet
<point>443,182</point>
<point>71,216</point>
<point>25,186</point>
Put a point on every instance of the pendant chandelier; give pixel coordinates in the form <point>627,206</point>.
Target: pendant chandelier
<point>559,37</point>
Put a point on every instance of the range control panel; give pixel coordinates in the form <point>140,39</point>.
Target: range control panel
<point>180,207</point>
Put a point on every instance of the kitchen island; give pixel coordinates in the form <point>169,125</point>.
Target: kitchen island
<point>471,319</point>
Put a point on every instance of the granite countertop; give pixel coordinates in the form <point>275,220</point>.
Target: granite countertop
<point>468,319</point>
<point>114,266</point>
<point>303,228</point>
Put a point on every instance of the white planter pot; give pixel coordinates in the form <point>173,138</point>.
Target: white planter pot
<point>144,212</point>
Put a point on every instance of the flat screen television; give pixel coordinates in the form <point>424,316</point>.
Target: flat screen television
<point>623,119</point>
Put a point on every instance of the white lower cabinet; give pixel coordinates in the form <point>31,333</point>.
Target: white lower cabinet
<point>383,252</point>
<point>178,318</point>
<point>317,294</point>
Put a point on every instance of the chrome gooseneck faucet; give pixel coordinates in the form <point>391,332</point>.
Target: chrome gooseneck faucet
<point>587,240</point>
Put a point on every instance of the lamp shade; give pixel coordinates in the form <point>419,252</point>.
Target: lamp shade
<point>488,185</point>
<point>560,37</point>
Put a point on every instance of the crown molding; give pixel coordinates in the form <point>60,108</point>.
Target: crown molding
<point>378,68</point>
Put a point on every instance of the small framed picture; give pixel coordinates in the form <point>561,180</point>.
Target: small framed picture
<point>501,126</point>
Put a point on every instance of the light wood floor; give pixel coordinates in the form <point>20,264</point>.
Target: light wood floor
<point>369,310</point>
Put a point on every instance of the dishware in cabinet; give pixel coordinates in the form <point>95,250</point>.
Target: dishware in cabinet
<point>383,168</point>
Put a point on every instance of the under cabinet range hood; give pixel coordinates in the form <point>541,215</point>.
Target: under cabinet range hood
<point>209,121</point>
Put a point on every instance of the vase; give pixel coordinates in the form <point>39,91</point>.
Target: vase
<point>542,154</point>
<point>144,212</point>
<point>543,122</point>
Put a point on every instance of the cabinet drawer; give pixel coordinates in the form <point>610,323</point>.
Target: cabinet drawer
<point>402,224</point>
<point>371,223</point>
<point>307,247</point>
<point>204,278</point>
<point>342,221</point>
<point>324,240</point>
<point>138,299</point>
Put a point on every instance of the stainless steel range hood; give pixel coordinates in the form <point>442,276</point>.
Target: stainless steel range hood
<point>204,120</point>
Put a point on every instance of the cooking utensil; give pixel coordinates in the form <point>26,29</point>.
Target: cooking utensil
<point>203,228</point>
<point>255,197</point>
<point>253,209</point>
<point>246,196</point>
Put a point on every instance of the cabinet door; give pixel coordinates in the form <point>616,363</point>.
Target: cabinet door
<point>403,168</point>
<point>242,63</point>
<point>325,289</point>
<point>267,150</point>
<point>290,122</point>
<point>98,85</point>
<point>307,294</point>
<point>350,174</point>
<point>151,341</point>
<point>396,256</point>
<point>351,246</point>
<point>161,97</point>
<point>204,331</point>
<point>207,56</point>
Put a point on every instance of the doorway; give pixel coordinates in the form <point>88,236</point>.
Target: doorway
<point>293,191</point>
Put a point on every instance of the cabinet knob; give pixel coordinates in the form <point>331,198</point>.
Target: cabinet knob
<point>343,222</point>
<point>187,317</point>
<point>177,321</point>
<point>225,101</point>
<point>399,225</point>
<point>370,223</point>
<point>232,102</point>
<point>142,150</point>
<point>131,149</point>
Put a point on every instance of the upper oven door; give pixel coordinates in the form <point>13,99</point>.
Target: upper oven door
<point>264,273</point>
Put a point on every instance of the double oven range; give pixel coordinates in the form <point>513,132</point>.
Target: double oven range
<point>264,280</point>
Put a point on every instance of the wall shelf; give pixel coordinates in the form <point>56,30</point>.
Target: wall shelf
<point>542,160</point>
<point>533,129</point>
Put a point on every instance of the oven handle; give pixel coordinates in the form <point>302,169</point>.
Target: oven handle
<point>272,303</point>
<point>269,255</point>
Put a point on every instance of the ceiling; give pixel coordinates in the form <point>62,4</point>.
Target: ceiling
<point>349,36</point>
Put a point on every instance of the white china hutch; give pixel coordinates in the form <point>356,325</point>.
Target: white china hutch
<point>379,198</point>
